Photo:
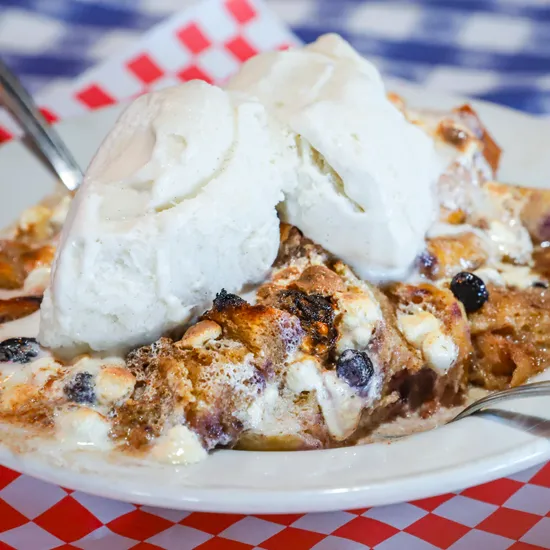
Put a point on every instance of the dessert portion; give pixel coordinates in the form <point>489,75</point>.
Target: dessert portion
<point>26,254</point>
<point>179,201</point>
<point>274,267</point>
<point>362,169</point>
<point>181,198</point>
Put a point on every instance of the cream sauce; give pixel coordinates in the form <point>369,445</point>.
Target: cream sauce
<point>24,327</point>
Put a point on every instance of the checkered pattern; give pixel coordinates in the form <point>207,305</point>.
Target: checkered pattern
<point>494,49</point>
<point>511,513</point>
<point>210,41</point>
<point>497,50</point>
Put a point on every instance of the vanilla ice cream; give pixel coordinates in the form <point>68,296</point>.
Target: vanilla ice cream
<point>366,189</point>
<point>179,202</point>
<point>181,199</point>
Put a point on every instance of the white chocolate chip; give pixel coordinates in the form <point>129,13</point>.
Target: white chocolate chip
<point>439,351</point>
<point>415,327</point>
<point>424,330</point>
<point>83,427</point>
<point>179,445</point>
<point>360,314</point>
<point>199,334</point>
<point>114,384</point>
<point>340,404</point>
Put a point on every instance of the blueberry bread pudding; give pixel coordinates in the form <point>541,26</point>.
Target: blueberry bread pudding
<point>315,356</point>
<point>290,263</point>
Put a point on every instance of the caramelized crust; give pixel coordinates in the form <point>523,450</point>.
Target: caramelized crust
<point>234,379</point>
<point>463,129</point>
<point>535,214</point>
<point>541,261</point>
<point>162,390</point>
<point>473,157</point>
<point>460,129</point>
<point>316,318</point>
<point>264,330</point>
<point>16,308</point>
<point>202,387</point>
<point>17,260</point>
<point>320,280</point>
<point>12,273</point>
<point>38,257</point>
<point>491,151</point>
<point>447,256</point>
<point>31,244</point>
<point>295,246</point>
<point>511,337</point>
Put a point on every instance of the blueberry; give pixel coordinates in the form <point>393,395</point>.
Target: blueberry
<point>19,350</point>
<point>355,367</point>
<point>225,299</point>
<point>470,290</point>
<point>81,389</point>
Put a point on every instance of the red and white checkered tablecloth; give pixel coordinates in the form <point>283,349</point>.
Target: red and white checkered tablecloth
<point>511,513</point>
<point>210,41</point>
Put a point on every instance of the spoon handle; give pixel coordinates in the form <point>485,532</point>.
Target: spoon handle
<point>537,389</point>
<point>42,136</point>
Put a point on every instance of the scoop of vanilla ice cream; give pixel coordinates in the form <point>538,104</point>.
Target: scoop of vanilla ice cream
<point>366,189</point>
<point>179,202</point>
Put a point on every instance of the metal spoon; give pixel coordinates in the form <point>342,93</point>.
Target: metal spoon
<point>42,136</point>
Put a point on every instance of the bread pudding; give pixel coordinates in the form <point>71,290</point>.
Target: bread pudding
<point>315,356</point>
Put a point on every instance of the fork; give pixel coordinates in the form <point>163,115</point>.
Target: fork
<point>536,389</point>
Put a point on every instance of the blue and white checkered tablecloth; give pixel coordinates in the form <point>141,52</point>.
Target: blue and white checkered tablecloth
<point>497,50</point>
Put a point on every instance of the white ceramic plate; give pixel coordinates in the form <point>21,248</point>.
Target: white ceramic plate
<point>472,451</point>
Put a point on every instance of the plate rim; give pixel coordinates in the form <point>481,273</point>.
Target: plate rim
<point>447,479</point>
